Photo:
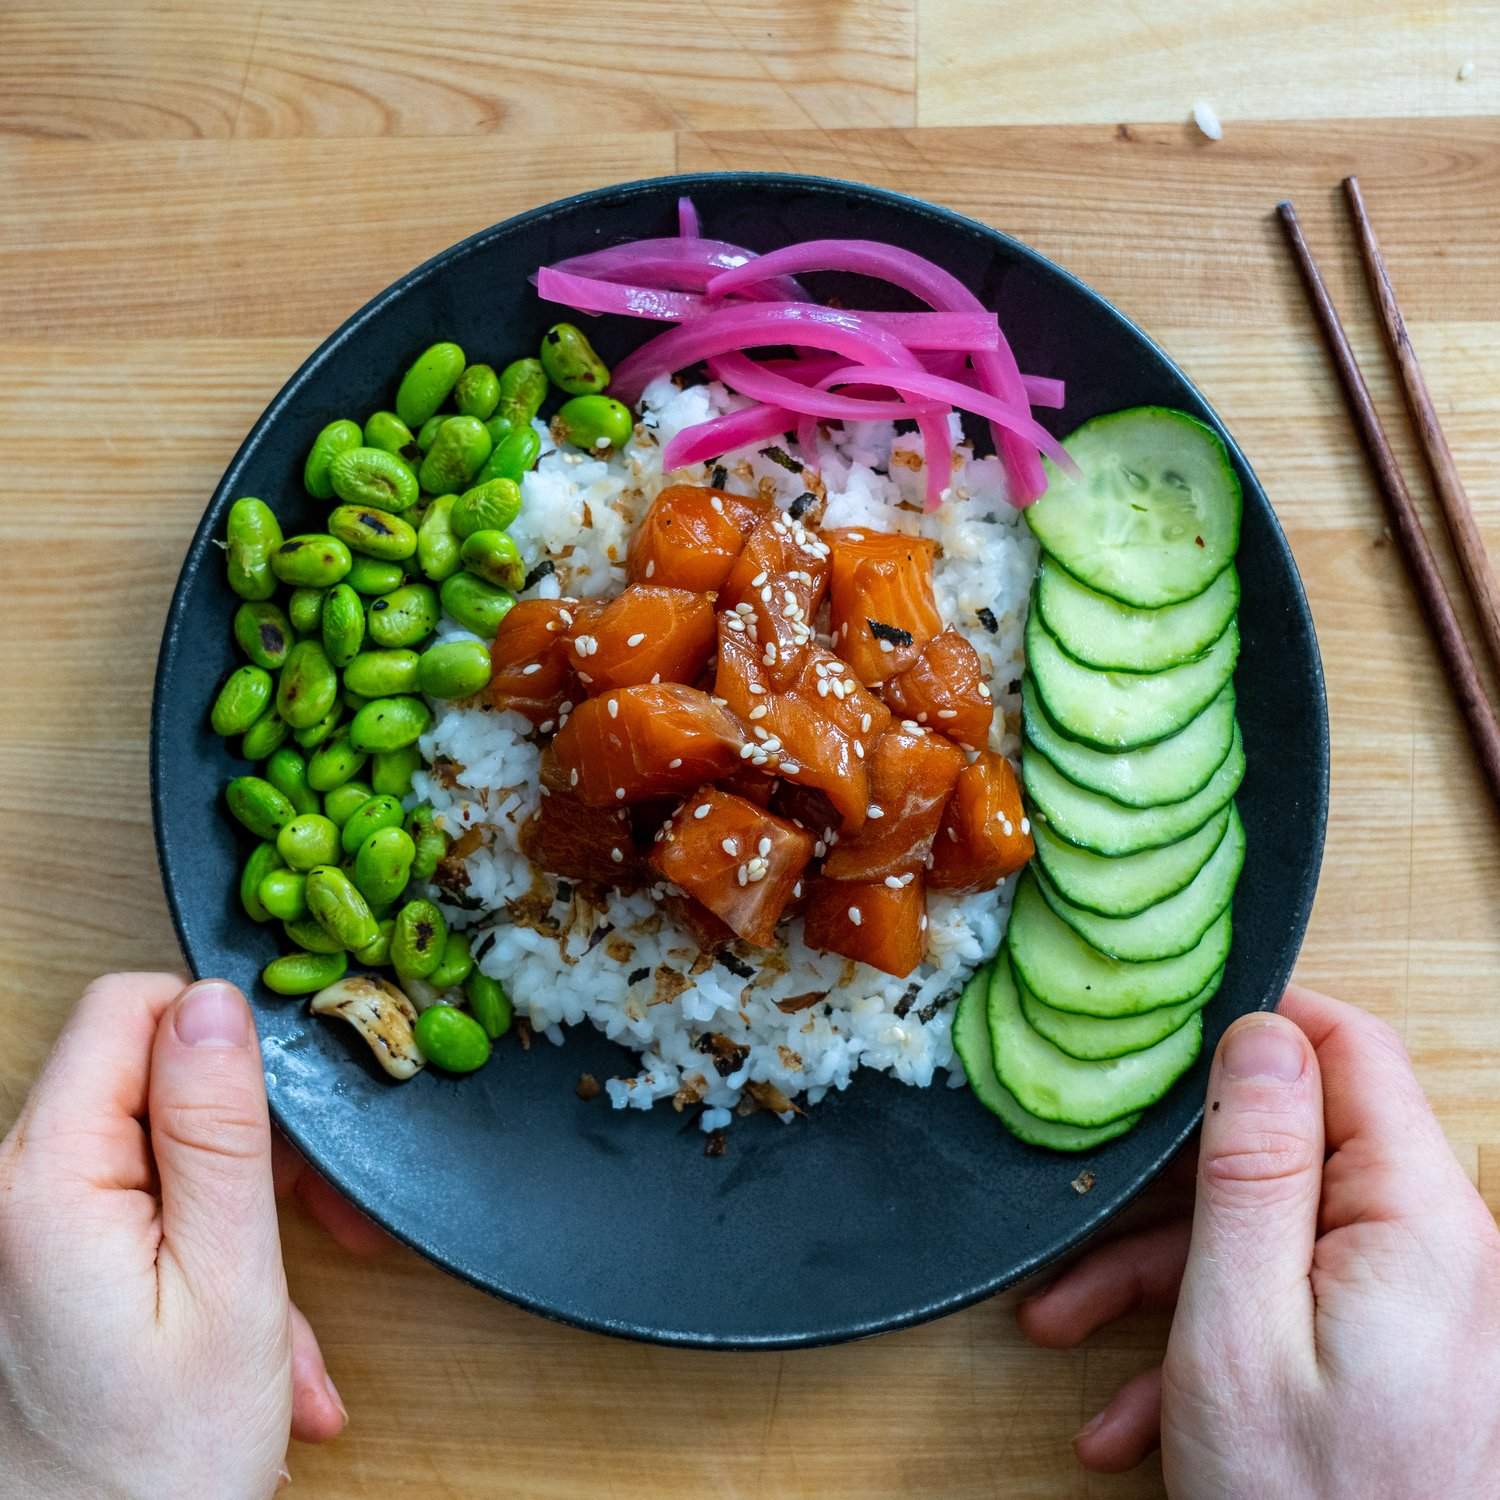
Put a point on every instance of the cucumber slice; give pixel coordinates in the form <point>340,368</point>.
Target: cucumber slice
<point>1123,710</point>
<point>1172,926</point>
<point>1113,637</point>
<point>1063,971</point>
<point>1089,1038</point>
<point>971,1040</point>
<point>1154,516</point>
<point>1094,822</point>
<point>1123,886</point>
<point>1168,771</point>
<point>1054,1086</point>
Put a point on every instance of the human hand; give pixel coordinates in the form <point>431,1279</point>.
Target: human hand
<point>147,1344</point>
<point>1337,1326</point>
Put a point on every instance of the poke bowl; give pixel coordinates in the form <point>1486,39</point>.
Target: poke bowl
<point>745,736</point>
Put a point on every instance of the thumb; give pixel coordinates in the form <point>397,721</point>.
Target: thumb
<point>211,1136</point>
<point>1246,1291</point>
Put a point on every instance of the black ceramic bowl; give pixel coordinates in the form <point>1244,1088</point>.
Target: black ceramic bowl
<point>887,1205</point>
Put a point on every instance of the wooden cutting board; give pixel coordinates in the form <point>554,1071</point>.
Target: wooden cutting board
<point>197,191</point>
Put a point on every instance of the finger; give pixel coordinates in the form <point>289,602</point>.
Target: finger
<point>1127,1430</point>
<point>1140,1272</point>
<point>317,1409</point>
<point>1246,1286</point>
<point>211,1136</point>
<point>349,1228</point>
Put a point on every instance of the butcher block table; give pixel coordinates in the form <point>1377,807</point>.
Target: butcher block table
<point>196,191</point>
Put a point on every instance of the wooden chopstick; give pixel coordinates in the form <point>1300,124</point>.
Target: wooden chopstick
<point>1467,542</point>
<point>1463,675</point>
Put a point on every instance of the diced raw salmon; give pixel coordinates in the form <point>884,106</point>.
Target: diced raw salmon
<point>912,773</point>
<point>738,860</point>
<point>530,669</point>
<point>876,922</point>
<point>945,689</point>
<point>703,926</point>
<point>691,536</point>
<point>882,602</point>
<point>652,740</point>
<point>984,834</point>
<point>776,585</point>
<point>645,634</point>
<point>569,838</point>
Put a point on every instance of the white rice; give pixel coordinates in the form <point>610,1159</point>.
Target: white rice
<point>625,967</point>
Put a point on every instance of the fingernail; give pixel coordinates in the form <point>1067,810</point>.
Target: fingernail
<point>1089,1427</point>
<point>338,1400</point>
<point>212,1014</point>
<point>283,1477</point>
<point>1264,1050</point>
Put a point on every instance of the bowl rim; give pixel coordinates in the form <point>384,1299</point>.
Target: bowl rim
<point>676,184</point>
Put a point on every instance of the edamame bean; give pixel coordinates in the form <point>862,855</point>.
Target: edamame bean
<point>499,425</point>
<point>333,763</point>
<point>495,558</point>
<point>340,803</point>
<point>311,936</point>
<point>428,435</point>
<point>304,608</point>
<point>375,533</point>
<point>594,423</point>
<point>312,561</point>
<point>477,393</point>
<point>318,734</point>
<point>457,454</point>
<point>371,476</point>
<point>308,840</point>
<point>304,973</point>
<point>475,604</point>
<point>513,456</point>
<point>338,907</point>
<point>456,964</point>
<point>382,866</point>
<point>417,942</point>
<point>451,1038</point>
<point>379,812</point>
<point>430,841</point>
<point>286,770</point>
<point>404,616</point>
<point>386,431</point>
<point>309,686</point>
<point>437,546</point>
<point>382,674</point>
<point>570,361</point>
<point>264,736</point>
<point>252,534</point>
<point>263,633</point>
<point>490,506</point>
<point>391,771</point>
<point>283,893</point>
<point>352,701</point>
<point>241,701</point>
<point>523,389</point>
<point>490,1004</point>
<point>454,669</point>
<point>336,438</point>
<point>259,806</point>
<point>371,575</point>
<point>265,859</point>
<point>426,385</point>
<point>377,955</point>
<point>343,624</point>
<point>389,723</point>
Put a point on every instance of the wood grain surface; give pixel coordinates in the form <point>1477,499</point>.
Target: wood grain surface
<point>196,191</point>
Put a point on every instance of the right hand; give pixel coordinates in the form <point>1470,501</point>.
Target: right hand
<point>1337,1326</point>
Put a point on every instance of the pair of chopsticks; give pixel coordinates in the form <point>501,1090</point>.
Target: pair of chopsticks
<point>1463,674</point>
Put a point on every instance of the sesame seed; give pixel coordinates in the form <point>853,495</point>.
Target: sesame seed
<point>772,744</point>
<point>546,726</point>
<point>886,646</point>
<point>856,536</point>
<point>722,702</point>
<point>854,915</point>
<point>894,881</point>
<point>758,732</point>
<point>850,684</point>
<point>770,650</point>
<point>823,687</point>
<point>573,777</point>
<point>619,794</point>
<point>759,711</point>
<point>530,668</point>
<point>612,704</point>
<point>864,723</point>
<point>1008,827</point>
<point>651,567</point>
<point>947,713</point>
<point>953,833</point>
<point>758,869</point>
<point>756,690</point>
<point>735,624</point>
<point>742,875</point>
<point>765,594</point>
<point>615,855</point>
<point>1025,825</point>
<point>566,706</point>
<point>911,726</point>
<point>819,849</point>
<point>655,678</point>
<point>759,579</point>
<point>859,749</point>
<point>566,616</point>
<point>839,690</point>
<point>797,889</point>
<point>717,504</point>
<point>674,763</point>
<point>729,846</point>
<point>635,640</point>
<point>763,847</point>
<point>790,768</point>
<point>585,678</point>
<point>702,810</point>
<point>922,922</point>
<point>874,810</point>
<point>743,609</point>
<point>551,625</point>
<point>746,751</point>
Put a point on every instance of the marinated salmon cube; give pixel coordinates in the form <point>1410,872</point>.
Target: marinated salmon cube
<point>736,859</point>
<point>705,929</point>
<point>530,671</point>
<point>752,784</point>
<point>879,922</point>
<point>652,740</point>
<point>825,682</point>
<point>567,837</point>
<point>691,536</point>
<point>912,774</point>
<point>883,610</point>
<point>984,835</point>
<point>945,689</point>
<point>645,634</point>
<point>808,808</point>
<point>775,586</point>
